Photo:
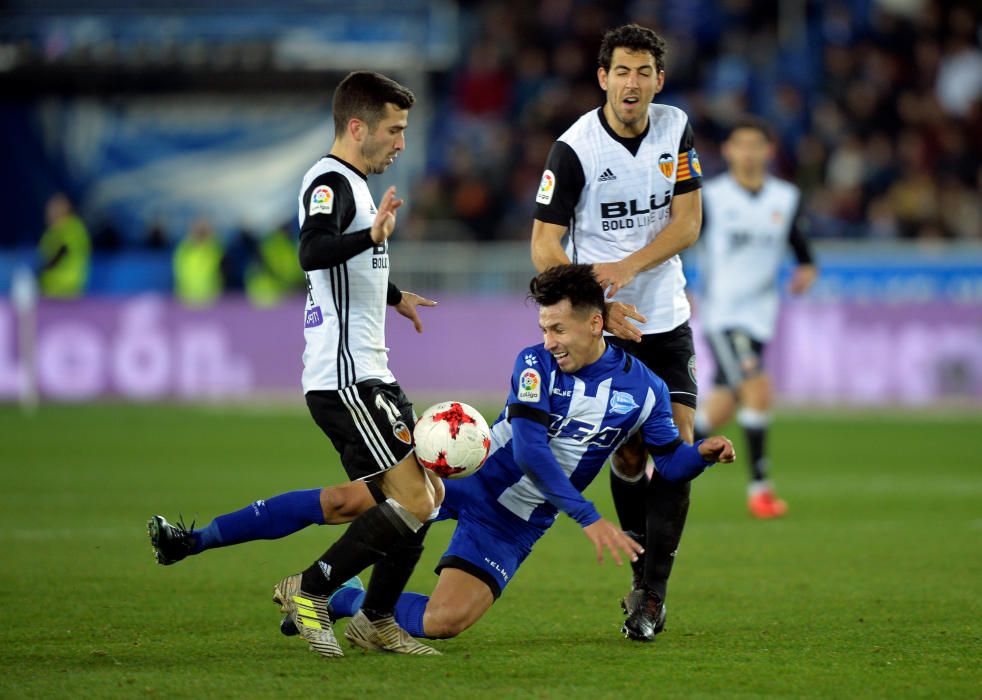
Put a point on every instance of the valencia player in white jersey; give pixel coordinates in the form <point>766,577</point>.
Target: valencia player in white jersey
<point>752,218</point>
<point>621,186</point>
<point>351,394</point>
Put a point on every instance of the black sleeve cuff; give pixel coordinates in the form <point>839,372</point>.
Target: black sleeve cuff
<point>686,186</point>
<point>517,410</point>
<point>393,296</point>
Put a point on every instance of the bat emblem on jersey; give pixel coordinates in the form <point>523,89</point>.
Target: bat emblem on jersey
<point>666,163</point>
<point>622,402</point>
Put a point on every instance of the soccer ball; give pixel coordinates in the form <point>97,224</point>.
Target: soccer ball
<point>452,439</point>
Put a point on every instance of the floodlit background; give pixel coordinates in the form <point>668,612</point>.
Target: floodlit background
<point>191,119</point>
<point>168,134</point>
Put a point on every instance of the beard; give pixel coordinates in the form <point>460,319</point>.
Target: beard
<point>376,158</point>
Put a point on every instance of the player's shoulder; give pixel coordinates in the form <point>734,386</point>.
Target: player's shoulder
<point>783,187</point>
<point>581,128</point>
<point>667,114</point>
<point>717,183</point>
<point>535,357</point>
<point>328,171</point>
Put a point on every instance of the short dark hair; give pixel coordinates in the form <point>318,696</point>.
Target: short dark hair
<point>632,37</point>
<point>573,282</point>
<point>750,121</point>
<point>363,95</point>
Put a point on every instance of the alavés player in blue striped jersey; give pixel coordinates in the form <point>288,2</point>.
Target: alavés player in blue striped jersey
<point>574,399</point>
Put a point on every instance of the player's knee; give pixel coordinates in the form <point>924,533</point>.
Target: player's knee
<point>341,505</point>
<point>438,489</point>
<point>444,622</point>
<point>421,504</point>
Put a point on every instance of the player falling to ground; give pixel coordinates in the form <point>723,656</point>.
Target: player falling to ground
<point>574,398</point>
<point>624,182</point>
<point>350,392</point>
<point>751,218</point>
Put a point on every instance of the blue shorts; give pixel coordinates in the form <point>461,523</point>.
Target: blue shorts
<point>485,544</point>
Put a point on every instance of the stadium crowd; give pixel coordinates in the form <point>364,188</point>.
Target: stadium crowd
<point>877,106</point>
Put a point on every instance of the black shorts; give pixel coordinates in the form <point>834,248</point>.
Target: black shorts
<point>369,423</point>
<point>670,355</point>
<point>739,356</point>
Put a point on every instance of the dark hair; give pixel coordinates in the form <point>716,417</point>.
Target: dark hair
<point>363,95</point>
<point>632,37</point>
<point>749,121</point>
<point>573,282</point>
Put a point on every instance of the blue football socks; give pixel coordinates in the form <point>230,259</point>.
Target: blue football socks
<point>268,519</point>
<point>408,613</point>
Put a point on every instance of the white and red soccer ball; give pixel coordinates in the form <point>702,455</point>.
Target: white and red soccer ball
<point>452,439</point>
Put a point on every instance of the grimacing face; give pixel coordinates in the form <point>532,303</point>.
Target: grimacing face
<point>381,147</point>
<point>631,84</point>
<point>573,337</point>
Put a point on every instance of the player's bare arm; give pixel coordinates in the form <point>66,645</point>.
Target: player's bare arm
<point>680,233</point>
<point>547,248</point>
<point>547,251</point>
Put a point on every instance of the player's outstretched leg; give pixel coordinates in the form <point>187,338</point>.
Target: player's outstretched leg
<point>309,614</point>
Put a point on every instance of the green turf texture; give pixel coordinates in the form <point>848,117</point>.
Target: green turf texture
<point>869,588</point>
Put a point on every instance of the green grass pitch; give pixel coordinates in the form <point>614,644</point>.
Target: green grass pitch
<point>870,588</point>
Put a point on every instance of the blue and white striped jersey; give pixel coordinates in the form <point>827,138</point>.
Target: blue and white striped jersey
<point>589,414</point>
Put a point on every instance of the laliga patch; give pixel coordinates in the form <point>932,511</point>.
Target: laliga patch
<point>546,187</point>
<point>694,165</point>
<point>666,163</point>
<point>530,386</point>
<point>313,318</point>
<point>692,369</point>
<point>321,200</point>
<point>622,402</point>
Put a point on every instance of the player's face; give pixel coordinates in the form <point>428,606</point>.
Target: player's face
<point>631,84</point>
<point>747,151</point>
<point>574,337</point>
<point>381,147</point>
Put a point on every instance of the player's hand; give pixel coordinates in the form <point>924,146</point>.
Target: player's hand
<point>717,449</point>
<point>619,317</point>
<point>604,533</point>
<point>385,219</point>
<point>407,307</point>
<point>613,276</point>
<point>802,279</point>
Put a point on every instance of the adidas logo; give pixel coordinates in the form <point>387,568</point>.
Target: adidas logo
<point>606,175</point>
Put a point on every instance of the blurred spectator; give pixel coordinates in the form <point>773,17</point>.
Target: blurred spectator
<point>875,103</point>
<point>960,73</point>
<point>198,266</point>
<point>65,250</point>
<point>274,271</point>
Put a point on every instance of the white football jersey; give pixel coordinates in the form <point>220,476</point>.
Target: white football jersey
<point>344,319</point>
<point>744,241</point>
<point>624,201</point>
